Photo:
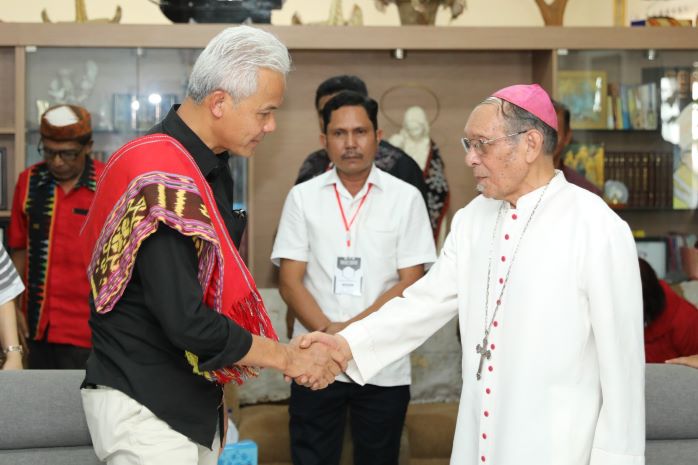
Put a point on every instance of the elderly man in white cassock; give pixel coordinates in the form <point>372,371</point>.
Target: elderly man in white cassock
<point>544,279</point>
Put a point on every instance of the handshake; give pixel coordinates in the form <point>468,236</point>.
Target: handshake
<point>313,360</point>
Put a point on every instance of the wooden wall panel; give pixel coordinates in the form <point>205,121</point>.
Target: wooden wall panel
<point>460,80</point>
<point>7,90</point>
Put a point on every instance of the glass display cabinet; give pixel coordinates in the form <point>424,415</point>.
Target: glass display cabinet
<point>126,90</point>
<point>636,111</point>
<point>634,114</point>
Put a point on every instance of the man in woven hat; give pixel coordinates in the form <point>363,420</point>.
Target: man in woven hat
<point>544,278</point>
<point>51,201</point>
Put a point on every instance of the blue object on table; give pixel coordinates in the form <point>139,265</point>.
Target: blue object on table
<point>240,453</point>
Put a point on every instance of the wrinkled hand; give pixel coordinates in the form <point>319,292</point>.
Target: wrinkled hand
<point>691,361</point>
<point>314,365</point>
<point>341,350</point>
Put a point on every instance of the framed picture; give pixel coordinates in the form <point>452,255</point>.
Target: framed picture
<point>654,250</point>
<point>587,160</point>
<point>584,93</point>
<point>3,178</point>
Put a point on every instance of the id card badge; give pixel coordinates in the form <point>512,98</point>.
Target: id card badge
<point>348,276</point>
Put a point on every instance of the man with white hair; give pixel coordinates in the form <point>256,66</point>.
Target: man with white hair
<point>175,312</point>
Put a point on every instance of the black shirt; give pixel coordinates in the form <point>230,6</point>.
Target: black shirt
<point>138,347</point>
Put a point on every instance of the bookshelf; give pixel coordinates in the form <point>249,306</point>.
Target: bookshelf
<point>643,121</point>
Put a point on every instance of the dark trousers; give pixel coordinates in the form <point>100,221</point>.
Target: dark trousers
<point>49,356</point>
<point>376,418</point>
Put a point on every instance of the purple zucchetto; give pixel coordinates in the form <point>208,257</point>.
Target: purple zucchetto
<point>532,98</point>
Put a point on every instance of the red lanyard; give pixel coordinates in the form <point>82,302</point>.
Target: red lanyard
<point>347,226</point>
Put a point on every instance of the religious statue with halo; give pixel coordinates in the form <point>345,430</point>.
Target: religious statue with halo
<point>414,139</point>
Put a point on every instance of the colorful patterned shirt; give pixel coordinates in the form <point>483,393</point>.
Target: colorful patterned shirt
<point>46,222</point>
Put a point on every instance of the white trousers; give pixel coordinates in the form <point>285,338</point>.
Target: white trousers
<point>124,432</point>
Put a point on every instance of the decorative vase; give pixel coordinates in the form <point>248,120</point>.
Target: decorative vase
<point>425,15</point>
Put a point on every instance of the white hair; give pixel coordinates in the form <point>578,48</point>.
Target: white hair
<point>231,62</point>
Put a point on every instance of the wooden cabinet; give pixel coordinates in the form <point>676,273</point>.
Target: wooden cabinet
<point>461,66</point>
<point>11,115</point>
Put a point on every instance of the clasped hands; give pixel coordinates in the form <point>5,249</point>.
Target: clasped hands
<point>315,359</point>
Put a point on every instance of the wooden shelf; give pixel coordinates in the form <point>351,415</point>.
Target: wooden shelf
<point>461,64</point>
<point>5,213</point>
<point>356,38</point>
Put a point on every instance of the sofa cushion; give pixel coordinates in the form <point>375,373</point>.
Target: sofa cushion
<point>671,399</point>
<point>45,408</point>
<point>663,452</point>
<point>80,455</point>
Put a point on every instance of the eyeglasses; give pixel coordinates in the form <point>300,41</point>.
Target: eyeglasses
<point>479,144</point>
<point>66,155</point>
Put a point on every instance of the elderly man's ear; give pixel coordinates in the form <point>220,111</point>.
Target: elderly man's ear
<point>534,145</point>
<point>216,102</point>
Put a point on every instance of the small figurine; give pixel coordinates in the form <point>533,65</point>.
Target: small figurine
<point>336,16</point>
<point>414,139</point>
<point>422,11</point>
<point>81,15</point>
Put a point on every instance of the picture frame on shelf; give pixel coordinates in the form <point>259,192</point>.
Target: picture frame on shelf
<point>584,93</point>
<point>587,160</point>
<point>654,250</point>
<point>674,84</point>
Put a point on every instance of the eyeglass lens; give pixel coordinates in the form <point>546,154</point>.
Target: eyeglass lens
<point>65,155</point>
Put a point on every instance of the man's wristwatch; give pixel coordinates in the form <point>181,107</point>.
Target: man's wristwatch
<point>9,349</point>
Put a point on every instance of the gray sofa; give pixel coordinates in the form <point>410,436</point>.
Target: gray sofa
<point>42,423</point>
<point>671,399</point>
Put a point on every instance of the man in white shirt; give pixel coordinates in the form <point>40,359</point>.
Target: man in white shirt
<point>348,241</point>
<point>544,278</point>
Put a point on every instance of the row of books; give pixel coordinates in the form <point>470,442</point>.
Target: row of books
<point>646,175</point>
<point>632,106</point>
<point>664,93</point>
<point>596,103</point>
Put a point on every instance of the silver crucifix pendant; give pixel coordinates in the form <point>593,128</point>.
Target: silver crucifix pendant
<point>484,353</point>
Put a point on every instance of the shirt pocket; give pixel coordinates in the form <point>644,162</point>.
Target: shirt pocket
<point>380,242</point>
<point>380,251</point>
